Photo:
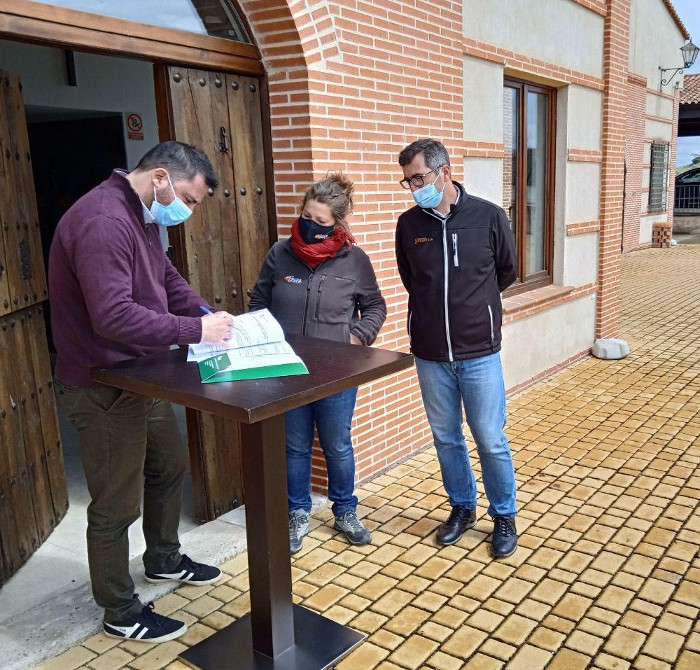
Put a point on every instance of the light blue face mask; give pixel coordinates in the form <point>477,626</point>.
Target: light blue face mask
<point>428,196</point>
<point>169,215</point>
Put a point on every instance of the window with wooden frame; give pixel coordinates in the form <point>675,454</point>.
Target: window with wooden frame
<point>528,178</point>
<point>658,177</point>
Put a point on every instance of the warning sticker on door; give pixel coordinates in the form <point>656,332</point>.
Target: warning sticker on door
<point>134,123</point>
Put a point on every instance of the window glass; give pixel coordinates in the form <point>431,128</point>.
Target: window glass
<point>218,18</point>
<point>528,128</point>
<point>658,178</point>
<point>510,155</point>
<point>537,104</point>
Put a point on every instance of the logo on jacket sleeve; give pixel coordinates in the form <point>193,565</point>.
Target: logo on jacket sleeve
<point>422,240</point>
<point>291,279</point>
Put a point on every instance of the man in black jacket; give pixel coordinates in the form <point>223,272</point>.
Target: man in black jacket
<point>455,255</point>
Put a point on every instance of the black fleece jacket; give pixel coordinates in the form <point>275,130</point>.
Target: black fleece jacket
<point>454,271</point>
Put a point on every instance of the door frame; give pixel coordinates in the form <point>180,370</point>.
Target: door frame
<point>58,27</point>
<point>28,21</point>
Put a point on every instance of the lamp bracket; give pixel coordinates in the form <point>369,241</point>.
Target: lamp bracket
<point>667,80</point>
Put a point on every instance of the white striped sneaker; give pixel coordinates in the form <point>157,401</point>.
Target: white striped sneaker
<point>147,626</point>
<point>188,572</point>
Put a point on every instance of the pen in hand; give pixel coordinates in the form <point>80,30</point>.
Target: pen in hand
<point>216,331</point>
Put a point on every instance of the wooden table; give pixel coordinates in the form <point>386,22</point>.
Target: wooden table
<point>276,634</point>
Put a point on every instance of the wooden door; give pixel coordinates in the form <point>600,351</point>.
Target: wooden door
<point>221,248</point>
<point>33,491</point>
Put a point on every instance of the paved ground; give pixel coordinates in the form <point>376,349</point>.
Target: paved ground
<point>607,575</point>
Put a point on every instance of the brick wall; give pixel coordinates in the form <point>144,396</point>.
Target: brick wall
<point>615,59</point>
<point>351,83</point>
<point>672,157</point>
<point>634,157</point>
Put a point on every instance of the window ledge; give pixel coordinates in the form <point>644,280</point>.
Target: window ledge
<point>528,303</point>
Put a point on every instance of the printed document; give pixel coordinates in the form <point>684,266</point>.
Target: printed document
<point>257,349</point>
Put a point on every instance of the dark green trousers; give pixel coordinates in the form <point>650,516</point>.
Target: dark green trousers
<point>130,446</point>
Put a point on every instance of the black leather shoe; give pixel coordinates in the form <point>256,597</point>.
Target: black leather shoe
<point>460,519</point>
<point>505,538</point>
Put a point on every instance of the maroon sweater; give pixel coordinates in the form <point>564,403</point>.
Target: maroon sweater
<point>114,293</point>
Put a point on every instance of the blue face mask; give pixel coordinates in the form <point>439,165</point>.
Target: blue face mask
<point>428,196</point>
<point>169,215</point>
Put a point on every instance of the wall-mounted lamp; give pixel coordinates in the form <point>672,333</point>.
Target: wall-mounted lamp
<point>690,53</point>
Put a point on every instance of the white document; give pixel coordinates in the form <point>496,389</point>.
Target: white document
<point>254,334</point>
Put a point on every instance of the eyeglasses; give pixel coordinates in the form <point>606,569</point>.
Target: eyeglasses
<point>417,179</point>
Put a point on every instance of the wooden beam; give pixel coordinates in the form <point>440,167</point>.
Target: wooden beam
<point>67,28</point>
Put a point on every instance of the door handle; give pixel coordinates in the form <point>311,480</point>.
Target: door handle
<point>222,144</point>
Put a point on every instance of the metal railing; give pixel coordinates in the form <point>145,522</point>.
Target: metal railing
<point>687,199</point>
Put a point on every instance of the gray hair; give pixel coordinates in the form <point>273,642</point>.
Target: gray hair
<point>434,153</point>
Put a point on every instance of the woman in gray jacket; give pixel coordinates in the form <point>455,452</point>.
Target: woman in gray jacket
<point>320,283</point>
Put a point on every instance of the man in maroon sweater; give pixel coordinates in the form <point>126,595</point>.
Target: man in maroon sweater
<point>114,296</point>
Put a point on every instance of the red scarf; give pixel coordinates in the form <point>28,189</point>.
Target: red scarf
<point>315,254</point>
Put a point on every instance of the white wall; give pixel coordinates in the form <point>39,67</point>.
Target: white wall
<point>646,224</point>
<point>483,100</point>
<point>483,177</point>
<point>580,259</point>
<point>655,42</point>
<point>585,118</point>
<point>556,31</point>
<point>105,84</point>
<point>564,34</point>
<point>530,348</point>
<point>582,191</point>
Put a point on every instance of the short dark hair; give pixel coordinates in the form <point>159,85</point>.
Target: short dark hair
<point>182,161</point>
<point>434,153</point>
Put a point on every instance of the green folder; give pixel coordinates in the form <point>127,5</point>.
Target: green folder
<point>215,369</point>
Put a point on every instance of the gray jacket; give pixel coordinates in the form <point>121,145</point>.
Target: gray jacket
<point>338,299</point>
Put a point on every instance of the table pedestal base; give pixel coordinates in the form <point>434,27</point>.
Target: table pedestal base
<point>318,643</point>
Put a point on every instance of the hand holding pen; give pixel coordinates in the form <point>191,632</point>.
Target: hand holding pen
<point>216,327</point>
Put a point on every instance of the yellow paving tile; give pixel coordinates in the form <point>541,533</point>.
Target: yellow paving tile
<point>624,643</point>
<point>547,639</point>
<point>414,651</point>
<point>69,660</point>
<point>158,656</point>
<point>566,659</point>
<point>663,645</point>
<point>367,655</point>
<point>606,576</point>
<point>529,658</point>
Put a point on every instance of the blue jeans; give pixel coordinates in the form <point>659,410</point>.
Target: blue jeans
<point>332,417</point>
<point>476,383</point>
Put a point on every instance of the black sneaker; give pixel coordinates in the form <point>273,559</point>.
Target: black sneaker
<point>460,519</point>
<point>505,537</point>
<point>187,572</point>
<point>148,626</point>
<point>349,524</point>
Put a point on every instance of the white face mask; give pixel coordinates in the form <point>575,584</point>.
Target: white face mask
<point>169,215</point>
